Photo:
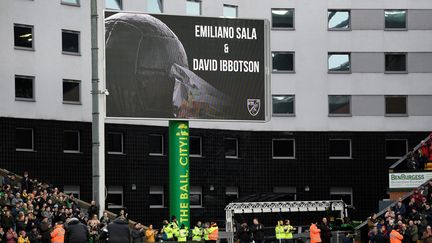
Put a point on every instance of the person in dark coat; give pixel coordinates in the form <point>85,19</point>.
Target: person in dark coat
<point>325,231</point>
<point>244,233</point>
<point>76,232</point>
<point>26,183</point>
<point>137,233</point>
<point>257,231</point>
<point>34,236</point>
<point>45,230</point>
<point>118,231</point>
<point>93,209</point>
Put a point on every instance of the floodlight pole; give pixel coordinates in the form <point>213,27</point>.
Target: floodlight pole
<point>179,188</point>
<point>98,114</point>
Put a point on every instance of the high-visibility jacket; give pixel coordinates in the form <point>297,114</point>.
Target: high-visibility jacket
<point>182,235</point>
<point>213,232</point>
<point>197,233</point>
<point>288,229</point>
<point>395,237</point>
<point>280,233</point>
<point>206,234</point>
<point>168,231</point>
<point>57,235</point>
<point>314,234</point>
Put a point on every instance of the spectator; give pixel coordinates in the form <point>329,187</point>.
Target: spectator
<point>45,229</point>
<point>26,183</point>
<point>35,236</point>
<point>118,231</point>
<point>244,233</point>
<point>150,234</point>
<point>8,220</point>
<point>427,235</point>
<point>2,234</point>
<point>76,232</point>
<point>372,221</point>
<point>413,230</point>
<point>400,208</point>
<point>325,231</point>
<point>137,233</point>
<point>11,236</point>
<point>93,209</point>
<point>105,219</point>
<point>23,237</point>
<point>373,234</point>
<point>258,231</point>
<point>93,225</point>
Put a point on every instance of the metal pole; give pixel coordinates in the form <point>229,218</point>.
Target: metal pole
<point>179,202</point>
<point>98,115</point>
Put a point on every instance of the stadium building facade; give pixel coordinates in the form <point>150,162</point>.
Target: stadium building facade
<point>351,88</point>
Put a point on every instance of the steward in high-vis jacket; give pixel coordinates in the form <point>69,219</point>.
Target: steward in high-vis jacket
<point>197,232</point>
<point>289,230</point>
<point>213,232</point>
<point>279,230</point>
<point>167,231</point>
<point>58,234</point>
<point>395,236</point>
<point>314,233</point>
<point>183,234</point>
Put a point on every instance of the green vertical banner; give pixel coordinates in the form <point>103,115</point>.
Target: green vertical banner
<point>179,202</point>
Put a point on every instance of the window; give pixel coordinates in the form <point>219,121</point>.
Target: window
<point>289,193</point>
<point>72,189</point>
<point>283,61</point>
<point>195,197</point>
<point>23,36</point>
<point>113,4</point>
<point>71,91</point>
<point>71,141</point>
<point>396,105</point>
<point>193,7</point>
<point>114,197</point>
<point>231,148</point>
<point>395,62</point>
<point>70,42</point>
<point>24,88</point>
<point>339,19</point>
<point>156,197</point>
<point>24,139</point>
<point>283,148</point>
<point>396,148</point>
<point>195,146</point>
<point>342,193</point>
<point>395,19</point>
<point>339,105</point>
<point>230,11</point>
<point>71,2</point>
<point>283,105</point>
<point>115,143</point>
<point>155,6</point>
<point>231,194</point>
<point>283,18</point>
<point>340,148</point>
<point>339,62</point>
<point>156,144</point>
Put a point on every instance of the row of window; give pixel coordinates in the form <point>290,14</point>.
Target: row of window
<point>25,89</point>
<point>339,105</point>
<point>157,199</point>
<point>339,62</point>
<point>338,19</point>
<point>281,148</point>
<point>24,39</point>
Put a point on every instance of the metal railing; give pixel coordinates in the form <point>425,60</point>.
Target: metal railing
<point>404,158</point>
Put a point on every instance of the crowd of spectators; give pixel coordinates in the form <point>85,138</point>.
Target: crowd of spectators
<point>33,212</point>
<point>407,222</point>
<point>419,159</point>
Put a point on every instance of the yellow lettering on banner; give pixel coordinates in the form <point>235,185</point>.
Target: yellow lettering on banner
<point>184,195</point>
<point>184,205</point>
<point>184,188</point>
<point>184,161</point>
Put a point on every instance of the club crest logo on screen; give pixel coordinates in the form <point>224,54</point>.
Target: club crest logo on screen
<point>253,106</point>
